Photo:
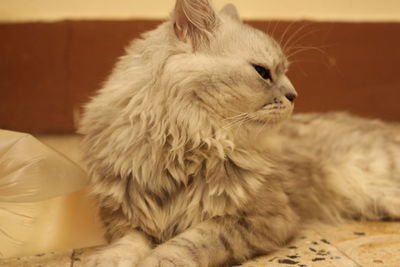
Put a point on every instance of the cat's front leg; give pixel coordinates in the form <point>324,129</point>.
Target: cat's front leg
<point>224,241</point>
<point>124,252</point>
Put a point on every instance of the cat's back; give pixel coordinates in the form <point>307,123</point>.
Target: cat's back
<point>335,128</point>
<point>345,145</point>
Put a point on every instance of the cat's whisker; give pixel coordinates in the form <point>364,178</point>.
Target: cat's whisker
<point>241,124</point>
<point>282,38</point>
<point>239,121</point>
<point>305,48</point>
<point>274,29</point>
<point>292,62</point>
<point>295,37</point>
<point>233,122</point>
<point>236,116</point>
<point>294,46</point>
<point>268,27</point>
<point>230,126</point>
<point>301,70</point>
<point>262,128</point>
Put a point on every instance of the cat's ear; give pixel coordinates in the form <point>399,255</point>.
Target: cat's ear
<point>194,21</point>
<point>231,11</point>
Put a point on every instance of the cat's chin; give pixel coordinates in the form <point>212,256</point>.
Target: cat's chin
<point>271,115</point>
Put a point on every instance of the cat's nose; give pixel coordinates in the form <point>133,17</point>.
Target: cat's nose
<point>291,97</point>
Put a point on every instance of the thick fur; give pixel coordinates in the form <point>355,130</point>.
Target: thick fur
<point>195,161</point>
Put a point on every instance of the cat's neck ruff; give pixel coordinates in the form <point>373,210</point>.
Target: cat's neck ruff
<point>258,138</point>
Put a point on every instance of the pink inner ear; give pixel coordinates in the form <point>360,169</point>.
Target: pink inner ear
<point>179,33</point>
<point>194,20</point>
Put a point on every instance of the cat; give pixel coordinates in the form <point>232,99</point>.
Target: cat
<point>195,159</point>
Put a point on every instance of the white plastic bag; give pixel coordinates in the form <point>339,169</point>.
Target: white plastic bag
<point>43,203</point>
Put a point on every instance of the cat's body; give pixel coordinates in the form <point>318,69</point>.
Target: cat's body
<point>194,161</point>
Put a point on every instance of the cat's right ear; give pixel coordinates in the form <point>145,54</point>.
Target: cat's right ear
<point>194,21</point>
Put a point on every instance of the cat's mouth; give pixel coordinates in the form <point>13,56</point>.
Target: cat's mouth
<point>272,113</point>
<point>273,106</point>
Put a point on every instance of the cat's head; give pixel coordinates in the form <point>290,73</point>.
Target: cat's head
<point>202,77</point>
<point>201,80</point>
<point>232,71</point>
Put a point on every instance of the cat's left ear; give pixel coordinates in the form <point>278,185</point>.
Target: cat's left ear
<point>231,11</point>
<point>194,21</point>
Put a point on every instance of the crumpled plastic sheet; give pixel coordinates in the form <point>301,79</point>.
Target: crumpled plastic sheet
<point>44,205</point>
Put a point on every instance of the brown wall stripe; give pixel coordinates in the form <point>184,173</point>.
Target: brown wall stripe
<point>47,70</point>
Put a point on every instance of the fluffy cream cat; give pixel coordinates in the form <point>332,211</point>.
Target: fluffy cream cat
<point>195,162</point>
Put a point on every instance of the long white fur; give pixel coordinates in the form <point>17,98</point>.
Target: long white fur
<point>185,108</point>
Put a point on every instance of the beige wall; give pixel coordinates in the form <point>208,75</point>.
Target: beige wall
<point>340,10</point>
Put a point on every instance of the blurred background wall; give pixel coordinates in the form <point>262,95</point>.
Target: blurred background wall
<point>332,10</point>
<point>54,54</point>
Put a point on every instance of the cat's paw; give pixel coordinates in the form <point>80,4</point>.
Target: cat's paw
<point>170,257</point>
<point>109,257</point>
<point>155,261</point>
<point>99,261</point>
<point>124,252</point>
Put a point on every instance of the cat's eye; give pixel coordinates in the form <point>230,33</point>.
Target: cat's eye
<point>263,72</point>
